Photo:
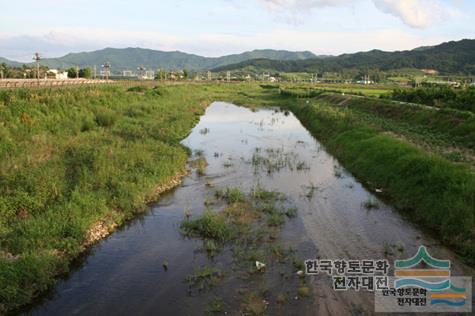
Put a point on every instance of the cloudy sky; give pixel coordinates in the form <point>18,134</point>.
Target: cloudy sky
<point>219,27</point>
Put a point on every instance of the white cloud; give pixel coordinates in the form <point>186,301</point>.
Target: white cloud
<point>291,11</point>
<point>415,13</point>
<point>300,5</point>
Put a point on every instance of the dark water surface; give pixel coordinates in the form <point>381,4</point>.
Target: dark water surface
<point>123,275</point>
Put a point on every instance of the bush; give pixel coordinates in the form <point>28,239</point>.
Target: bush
<point>209,226</point>
<point>463,99</point>
<point>105,117</point>
<point>139,89</point>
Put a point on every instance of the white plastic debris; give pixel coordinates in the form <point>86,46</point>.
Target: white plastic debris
<point>260,265</point>
<point>379,190</point>
<point>299,272</point>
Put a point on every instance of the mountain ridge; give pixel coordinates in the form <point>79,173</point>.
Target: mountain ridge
<point>131,57</point>
<point>448,57</point>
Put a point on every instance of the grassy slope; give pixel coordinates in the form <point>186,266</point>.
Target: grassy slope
<point>72,157</point>
<point>432,190</point>
<point>447,132</point>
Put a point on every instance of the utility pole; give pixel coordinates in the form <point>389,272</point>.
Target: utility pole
<point>106,69</point>
<point>209,76</point>
<point>141,72</point>
<point>37,59</point>
<point>95,70</point>
<point>228,76</point>
<point>77,72</point>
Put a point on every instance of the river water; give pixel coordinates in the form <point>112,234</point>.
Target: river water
<point>124,274</point>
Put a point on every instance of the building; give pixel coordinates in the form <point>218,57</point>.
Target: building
<point>147,75</point>
<point>365,82</point>
<point>128,73</point>
<point>56,74</point>
<point>430,71</point>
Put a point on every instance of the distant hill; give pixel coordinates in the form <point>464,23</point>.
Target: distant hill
<point>131,58</point>
<point>9,62</point>
<point>451,57</point>
<point>447,58</point>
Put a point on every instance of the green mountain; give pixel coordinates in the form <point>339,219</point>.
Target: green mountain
<point>131,58</point>
<point>9,62</point>
<point>451,57</point>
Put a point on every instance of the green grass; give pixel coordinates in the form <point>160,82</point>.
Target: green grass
<point>447,127</point>
<point>231,195</point>
<point>204,278</point>
<point>208,226</point>
<point>314,90</point>
<point>75,157</point>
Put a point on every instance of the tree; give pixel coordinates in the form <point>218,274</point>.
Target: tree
<point>3,70</point>
<point>161,75</point>
<point>72,72</point>
<point>185,74</point>
<point>84,73</point>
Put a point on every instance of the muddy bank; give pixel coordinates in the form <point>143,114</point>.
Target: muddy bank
<point>103,228</point>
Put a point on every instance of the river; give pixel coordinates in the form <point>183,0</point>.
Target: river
<point>338,218</point>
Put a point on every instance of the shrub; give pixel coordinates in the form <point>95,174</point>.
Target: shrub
<point>105,118</point>
<point>210,226</point>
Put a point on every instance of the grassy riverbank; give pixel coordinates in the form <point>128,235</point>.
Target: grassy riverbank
<point>77,162</point>
<point>431,186</point>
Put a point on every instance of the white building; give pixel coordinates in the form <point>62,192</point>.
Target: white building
<point>56,74</point>
<point>149,75</point>
<point>128,73</point>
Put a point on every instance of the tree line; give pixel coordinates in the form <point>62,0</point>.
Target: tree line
<point>460,99</point>
<point>30,72</point>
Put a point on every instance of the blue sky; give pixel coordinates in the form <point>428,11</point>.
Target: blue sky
<point>219,27</point>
